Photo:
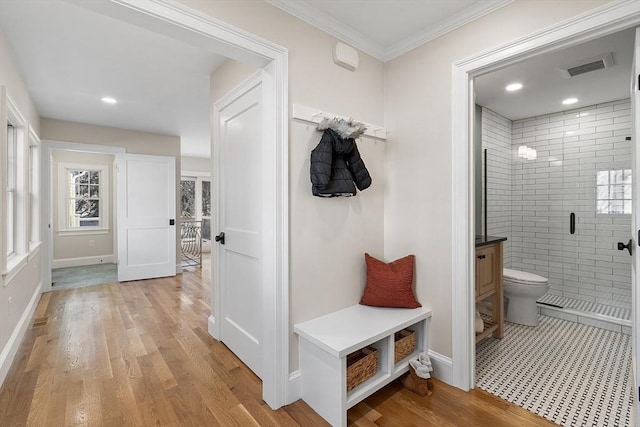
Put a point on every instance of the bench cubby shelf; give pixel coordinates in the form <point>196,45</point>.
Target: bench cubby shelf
<point>325,342</point>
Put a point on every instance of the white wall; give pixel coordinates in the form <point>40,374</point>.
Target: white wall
<point>418,91</point>
<point>328,237</point>
<point>195,164</point>
<point>70,247</point>
<point>134,142</point>
<point>408,207</point>
<point>17,294</point>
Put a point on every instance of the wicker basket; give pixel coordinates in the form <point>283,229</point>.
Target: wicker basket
<point>405,344</point>
<point>361,365</point>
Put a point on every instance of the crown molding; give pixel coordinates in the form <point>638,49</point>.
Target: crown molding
<point>453,22</point>
<point>342,31</point>
<point>331,25</point>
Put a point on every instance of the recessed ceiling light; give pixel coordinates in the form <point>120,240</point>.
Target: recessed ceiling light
<point>570,101</point>
<point>514,86</point>
<point>109,100</point>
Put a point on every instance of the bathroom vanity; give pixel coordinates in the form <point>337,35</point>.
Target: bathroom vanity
<point>489,285</point>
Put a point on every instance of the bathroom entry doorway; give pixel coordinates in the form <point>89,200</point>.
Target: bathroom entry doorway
<point>559,184</point>
<point>605,21</point>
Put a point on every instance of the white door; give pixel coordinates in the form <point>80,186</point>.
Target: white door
<point>635,110</point>
<point>240,219</point>
<point>146,216</point>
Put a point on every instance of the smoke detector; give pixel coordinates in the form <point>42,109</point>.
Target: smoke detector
<point>595,63</point>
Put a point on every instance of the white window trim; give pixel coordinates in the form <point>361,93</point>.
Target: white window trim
<point>15,264</point>
<point>12,264</point>
<point>10,209</point>
<point>103,228</point>
<point>34,249</point>
<point>35,195</point>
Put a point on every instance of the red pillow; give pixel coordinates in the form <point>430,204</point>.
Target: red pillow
<point>389,285</point>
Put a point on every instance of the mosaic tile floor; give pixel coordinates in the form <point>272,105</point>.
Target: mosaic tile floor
<point>78,277</point>
<point>590,307</point>
<point>569,373</point>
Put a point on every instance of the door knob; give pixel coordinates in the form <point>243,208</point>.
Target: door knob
<point>220,238</point>
<point>622,246</point>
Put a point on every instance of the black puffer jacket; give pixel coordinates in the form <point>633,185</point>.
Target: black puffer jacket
<point>336,166</point>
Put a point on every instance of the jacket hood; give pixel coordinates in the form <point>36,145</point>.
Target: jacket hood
<point>344,128</point>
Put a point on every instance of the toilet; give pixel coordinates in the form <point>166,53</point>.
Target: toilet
<point>522,290</point>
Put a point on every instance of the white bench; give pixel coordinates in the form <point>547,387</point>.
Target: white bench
<point>325,342</point>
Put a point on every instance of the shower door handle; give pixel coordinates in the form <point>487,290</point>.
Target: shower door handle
<point>572,223</point>
<point>622,246</point>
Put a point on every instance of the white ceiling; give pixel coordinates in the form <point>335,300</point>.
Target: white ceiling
<point>545,87</point>
<point>71,57</point>
<point>388,28</point>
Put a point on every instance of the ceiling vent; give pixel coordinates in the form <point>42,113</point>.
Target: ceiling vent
<point>599,62</point>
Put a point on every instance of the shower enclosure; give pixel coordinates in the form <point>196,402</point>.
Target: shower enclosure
<point>562,196</point>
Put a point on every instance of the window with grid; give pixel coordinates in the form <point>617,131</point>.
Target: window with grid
<point>83,198</point>
<point>613,191</point>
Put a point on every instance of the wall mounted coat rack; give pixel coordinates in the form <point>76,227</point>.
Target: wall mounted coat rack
<point>314,115</point>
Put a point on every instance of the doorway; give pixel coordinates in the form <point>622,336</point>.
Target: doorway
<point>608,20</point>
<point>558,187</point>
<point>181,23</point>
<point>78,217</point>
<point>82,219</point>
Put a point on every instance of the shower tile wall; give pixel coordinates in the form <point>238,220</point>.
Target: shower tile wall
<point>496,138</point>
<point>571,148</point>
<point>530,200</point>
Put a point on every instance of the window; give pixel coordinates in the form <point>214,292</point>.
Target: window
<point>14,233</point>
<point>206,210</point>
<point>195,201</point>
<point>83,192</point>
<point>83,198</point>
<point>613,191</point>
<point>12,148</point>
<point>188,197</point>
<point>34,189</point>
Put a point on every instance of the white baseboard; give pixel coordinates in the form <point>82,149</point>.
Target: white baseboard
<point>211,327</point>
<point>442,367</point>
<point>79,262</point>
<point>10,350</point>
<point>293,390</point>
<point>179,268</point>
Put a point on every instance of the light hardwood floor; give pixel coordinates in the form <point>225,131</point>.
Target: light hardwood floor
<point>138,353</point>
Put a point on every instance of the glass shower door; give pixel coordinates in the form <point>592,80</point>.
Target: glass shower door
<point>597,190</point>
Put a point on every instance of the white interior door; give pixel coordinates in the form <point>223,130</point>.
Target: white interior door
<point>635,110</point>
<point>240,219</point>
<point>146,216</point>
